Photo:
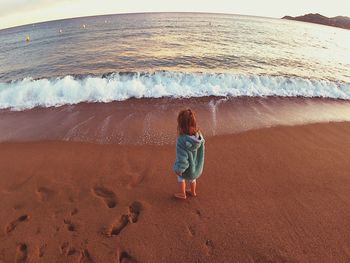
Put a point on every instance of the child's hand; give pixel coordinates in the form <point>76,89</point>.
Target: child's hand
<point>178,173</point>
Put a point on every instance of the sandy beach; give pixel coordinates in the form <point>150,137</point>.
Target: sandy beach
<point>90,110</point>
<point>271,195</point>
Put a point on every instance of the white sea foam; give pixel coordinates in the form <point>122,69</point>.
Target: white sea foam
<point>29,93</point>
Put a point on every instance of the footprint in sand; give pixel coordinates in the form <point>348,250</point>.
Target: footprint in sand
<point>21,253</point>
<point>137,178</point>
<point>134,211</point>
<point>71,251</point>
<point>191,230</point>
<point>74,212</point>
<point>41,250</point>
<point>44,193</point>
<point>209,245</point>
<point>67,250</point>
<point>12,226</point>
<point>117,228</point>
<point>107,195</point>
<point>131,217</point>
<point>63,247</point>
<point>136,172</point>
<point>85,257</point>
<point>70,226</point>
<point>124,257</point>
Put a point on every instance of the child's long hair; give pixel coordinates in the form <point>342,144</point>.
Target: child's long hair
<point>186,122</point>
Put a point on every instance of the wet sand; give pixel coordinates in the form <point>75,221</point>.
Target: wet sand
<point>153,121</point>
<point>272,195</point>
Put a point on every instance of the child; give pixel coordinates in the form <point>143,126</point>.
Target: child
<point>189,153</point>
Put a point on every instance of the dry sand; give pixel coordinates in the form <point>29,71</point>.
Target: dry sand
<point>272,195</point>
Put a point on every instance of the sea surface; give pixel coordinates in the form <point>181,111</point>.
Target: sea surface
<point>163,59</point>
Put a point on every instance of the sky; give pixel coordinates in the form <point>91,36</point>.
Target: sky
<point>20,12</point>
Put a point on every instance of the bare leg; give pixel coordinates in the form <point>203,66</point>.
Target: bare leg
<point>193,188</point>
<point>182,190</point>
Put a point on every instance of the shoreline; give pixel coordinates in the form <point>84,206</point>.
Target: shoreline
<point>152,121</point>
<point>274,194</point>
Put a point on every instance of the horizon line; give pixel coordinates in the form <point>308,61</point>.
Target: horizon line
<point>136,13</point>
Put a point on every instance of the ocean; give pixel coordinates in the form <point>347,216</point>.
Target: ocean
<point>97,78</point>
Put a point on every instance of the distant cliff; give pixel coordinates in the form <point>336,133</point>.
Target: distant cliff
<point>338,21</point>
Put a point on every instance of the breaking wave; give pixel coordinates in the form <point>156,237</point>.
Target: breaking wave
<point>29,93</point>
